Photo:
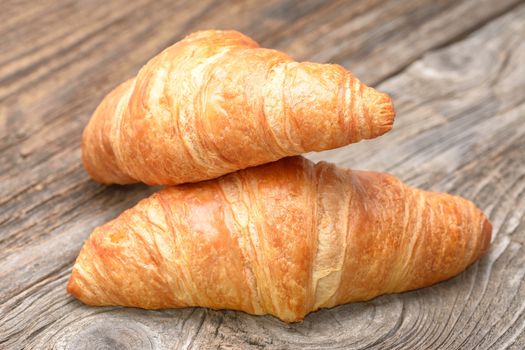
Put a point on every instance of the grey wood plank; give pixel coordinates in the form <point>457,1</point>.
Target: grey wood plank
<point>460,128</point>
<point>377,39</point>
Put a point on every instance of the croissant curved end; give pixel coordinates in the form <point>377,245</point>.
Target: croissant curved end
<point>380,109</point>
<point>72,287</point>
<point>486,237</point>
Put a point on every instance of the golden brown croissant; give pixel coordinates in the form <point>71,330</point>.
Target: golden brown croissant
<point>285,238</point>
<point>216,102</point>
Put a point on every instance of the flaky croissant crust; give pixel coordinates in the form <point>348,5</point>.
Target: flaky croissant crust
<point>216,102</point>
<point>285,238</point>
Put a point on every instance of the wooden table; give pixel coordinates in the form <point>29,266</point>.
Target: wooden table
<point>455,69</point>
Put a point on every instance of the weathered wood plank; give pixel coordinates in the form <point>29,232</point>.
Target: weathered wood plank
<point>461,128</point>
<point>378,39</point>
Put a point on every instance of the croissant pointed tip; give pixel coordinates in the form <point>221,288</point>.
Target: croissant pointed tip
<point>486,236</point>
<point>379,110</point>
<point>72,287</point>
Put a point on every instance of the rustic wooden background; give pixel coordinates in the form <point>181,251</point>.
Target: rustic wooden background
<point>455,69</point>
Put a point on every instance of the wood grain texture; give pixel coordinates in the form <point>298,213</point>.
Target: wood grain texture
<point>454,69</point>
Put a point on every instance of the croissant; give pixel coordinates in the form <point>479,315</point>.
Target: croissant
<point>285,239</point>
<point>215,103</point>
